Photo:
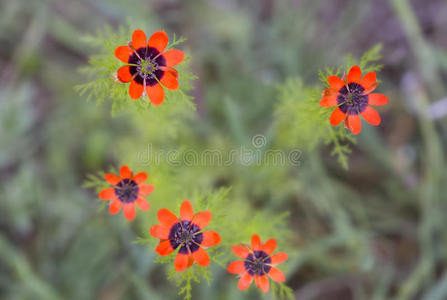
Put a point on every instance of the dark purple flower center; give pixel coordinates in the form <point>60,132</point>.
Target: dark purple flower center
<point>351,99</point>
<point>257,263</point>
<point>185,235</point>
<point>127,190</point>
<point>145,63</point>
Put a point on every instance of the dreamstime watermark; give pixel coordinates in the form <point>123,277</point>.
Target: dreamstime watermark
<point>255,155</point>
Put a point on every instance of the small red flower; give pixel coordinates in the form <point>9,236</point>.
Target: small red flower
<point>258,262</point>
<point>148,65</point>
<point>187,233</point>
<point>352,95</point>
<point>128,190</point>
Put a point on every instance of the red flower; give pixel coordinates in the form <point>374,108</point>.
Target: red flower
<point>149,64</point>
<point>258,262</point>
<point>127,190</point>
<point>185,233</point>
<point>352,95</point>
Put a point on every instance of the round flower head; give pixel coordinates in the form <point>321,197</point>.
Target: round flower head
<point>257,262</point>
<point>149,64</point>
<point>352,95</point>
<point>186,234</point>
<point>127,190</point>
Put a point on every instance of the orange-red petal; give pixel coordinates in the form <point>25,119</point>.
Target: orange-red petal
<point>276,275</point>
<point>329,101</point>
<point>201,257</point>
<point>169,80</point>
<point>330,92</point>
<point>369,82</point>
<point>245,281</point>
<point>377,99</point>
<point>164,248</point>
<point>236,267</point>
<point>156,93</point>
<point>278,258</point>
<point>256,242</point>
<point>202,219</point>
<point>124,74</point>
<point>210,238</point>
<point>337,116</point>
<point>160,232</point>
<point>139,39</point>
<point>135,90</point>
<point>112,178</point>
<point>173,57</point>
<point>115,206</point>
<point>354,75</point>
<point>142,204</point>
<point>123,53</point>
<point>129,211</point>
<point>335,82</point>
<point>158,40</point>
<point>107,194</point>
<point>354,124</point>
<point>145,189</point>
<point>181,262</point>
<point>140,177</point>
<point>262,282</point>
<point>269,246</point>
<point>166,217</point>
<point>125,172</point>
<point>371,116</point>
<point>241,250</point>
<point>186,211</point>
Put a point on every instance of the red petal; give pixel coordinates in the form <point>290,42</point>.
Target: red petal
<point>107,194</point>
<point>142,204</point>
<point>330,92</point>
<point>135,90</point>
<point>129,211</point>
<point>115,206</point>
<point>160,232</point>
<point>181,262</point>
<point>337,116</point>
<point>166,217</point>
<point>371,116</point>
<point>335,82</point>
<point>354,75</point>
<point>124,74</point>
<point>173,57</point>
<point>140,177</point>
<point>139,39</point>
<point>201,257</point>
<point>329,101</point>
<point>112,178</point>
<point>377,99</point>
<point>278,258</point>
<point>164,248</point>
<point>354,123</point>
<point>125,172</point>
<point>123,53</point>
<point>236,267</point>
<point>146,189</point>
<point>245,281</point>
<point>169,80</point>
<point>256,242</point>
<point>186,211</point>
<point>158,40</point>
<point>241,250</point>
<point>269,246</point>
<point>156,93</point>
<point>276,275</point>
<point>369,82</point>
<point>262,282</point>
<point>210,238</point>
<point>202,219</point>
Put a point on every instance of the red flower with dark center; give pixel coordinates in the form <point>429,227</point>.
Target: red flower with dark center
<point>127,190</point>
<point>352,95</point>
<point>257,263</point>
<point>149,65</point>
<point>185,233</point>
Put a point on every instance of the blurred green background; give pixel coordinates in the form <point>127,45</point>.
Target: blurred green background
<point>376,231</point>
